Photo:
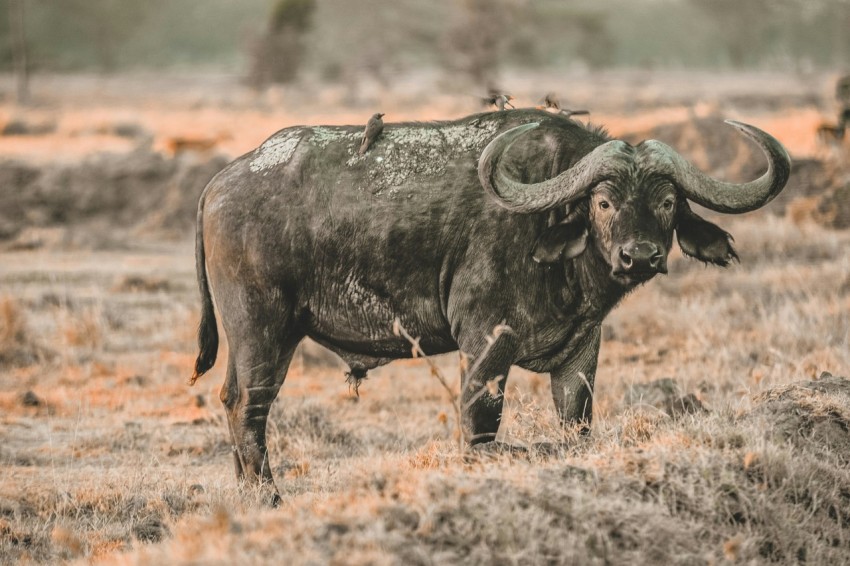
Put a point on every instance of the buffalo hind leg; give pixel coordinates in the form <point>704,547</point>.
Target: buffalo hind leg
<point>260,369</point>
<point>229,394</point>
<point>482,388</point>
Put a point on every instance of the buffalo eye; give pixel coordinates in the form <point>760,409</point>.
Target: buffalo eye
<point>668,203</point>
<point>604,204</point>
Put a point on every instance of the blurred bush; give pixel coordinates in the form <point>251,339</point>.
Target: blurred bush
<point>471,36</point>
<point>147,193</point>
<point>279,53</point>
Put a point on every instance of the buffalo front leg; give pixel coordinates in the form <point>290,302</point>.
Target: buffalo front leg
<point>572,384</point>
<point>483,385</point>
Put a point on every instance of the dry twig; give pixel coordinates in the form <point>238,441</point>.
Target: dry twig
<point>491,387</point>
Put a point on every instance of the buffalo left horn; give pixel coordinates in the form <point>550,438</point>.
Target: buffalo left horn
<point>568,186</point>
<point>722,196</point>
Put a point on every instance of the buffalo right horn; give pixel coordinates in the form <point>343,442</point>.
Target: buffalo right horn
<point>570,185</point>
<point>722,196</point>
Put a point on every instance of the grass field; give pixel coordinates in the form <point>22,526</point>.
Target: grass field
<point>108,456</point>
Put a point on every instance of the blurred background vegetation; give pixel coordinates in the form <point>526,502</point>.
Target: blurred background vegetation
<point>275,40</point>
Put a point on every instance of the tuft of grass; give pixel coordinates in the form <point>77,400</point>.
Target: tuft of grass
<point>18,345</point>
<point>140,284</point>
<point>12,325</point>
<point>454,396</point>
<point>83,329</point>
<point>699,490</point>
<point>492,387</point>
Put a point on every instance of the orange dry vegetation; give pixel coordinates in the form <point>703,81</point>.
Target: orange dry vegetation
<point>113,114</point>
<point>108,456</point>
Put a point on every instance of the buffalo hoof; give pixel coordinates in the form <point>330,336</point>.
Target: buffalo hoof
<point>274,501</point>
<point>263,494</point>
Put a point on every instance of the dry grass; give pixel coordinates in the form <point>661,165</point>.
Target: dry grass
<point>106,456</point>
<point>18,345</point>
<point>117,460</point>
<point>13,330</point>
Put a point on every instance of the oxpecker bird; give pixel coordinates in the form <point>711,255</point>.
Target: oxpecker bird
<point>569,113</point>
<point>551,101</point>
<point>498,99</point>
<point>373,129</point>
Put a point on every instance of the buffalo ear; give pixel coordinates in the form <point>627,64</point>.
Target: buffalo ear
<point>702,240</point>
<point>566,240</point>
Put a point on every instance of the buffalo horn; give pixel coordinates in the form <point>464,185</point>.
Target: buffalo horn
<point>569,185</point>
<point>722,196</point>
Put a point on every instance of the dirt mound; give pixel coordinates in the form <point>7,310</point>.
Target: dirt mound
<point>140,193</point>
<point>24,127</point>
<point>711,145</point>
<point>812,415</point>
<point>663,394</point>
<point>835,204</point>
<point>820,191</point>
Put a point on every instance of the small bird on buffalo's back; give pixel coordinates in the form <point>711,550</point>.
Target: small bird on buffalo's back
<point>550,101</point>
<point>373,129</point>
<point>569,113</point>
<point>498,99</point>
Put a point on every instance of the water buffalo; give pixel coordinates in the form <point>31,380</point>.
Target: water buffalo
<point>518,218</point>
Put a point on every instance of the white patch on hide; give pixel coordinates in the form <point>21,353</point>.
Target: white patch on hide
<point>404,153</point>
<point>275,150</point>
<point>323,136</point>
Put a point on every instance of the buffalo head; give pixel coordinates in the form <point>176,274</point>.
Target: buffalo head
<point>626,201</point>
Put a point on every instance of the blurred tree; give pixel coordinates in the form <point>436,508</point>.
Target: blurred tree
<point>549,36</point>
<point>595,45</point>
<point>758,31</point>
<point>376,39</point>
<point>743,26</point>
<point>18,34</point>
<point>401,37</point>
<point>75,34</point>
<point>477,40</point>
<point>106,25</point>
<point>278,54</point>
<point>293,14</point>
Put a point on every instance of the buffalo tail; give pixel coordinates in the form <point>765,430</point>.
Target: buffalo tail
<point>207,331</point>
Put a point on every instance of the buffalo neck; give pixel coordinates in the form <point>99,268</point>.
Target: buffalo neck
<point>589,277</point>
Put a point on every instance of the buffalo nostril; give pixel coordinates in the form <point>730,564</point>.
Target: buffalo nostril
<point>625,258</point>
<point>655,260</point>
